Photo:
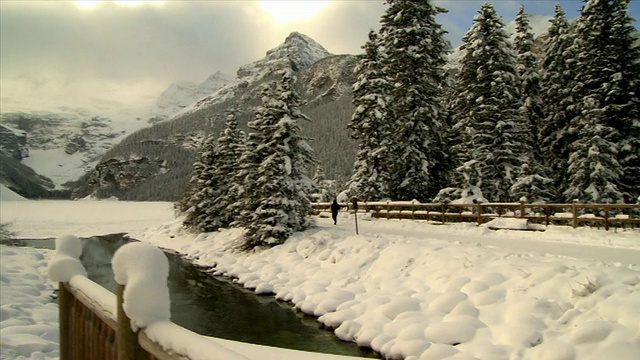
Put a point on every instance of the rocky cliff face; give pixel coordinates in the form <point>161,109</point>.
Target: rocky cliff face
<point>13,142</point>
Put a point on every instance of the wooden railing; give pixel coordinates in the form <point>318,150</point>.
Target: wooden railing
<point>89,332</point>
<point>605,215</point>
<point>94,324</point>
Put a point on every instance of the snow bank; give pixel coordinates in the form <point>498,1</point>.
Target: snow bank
<point>66,259</point>
<point>417,291</point>
<point>143,270</point>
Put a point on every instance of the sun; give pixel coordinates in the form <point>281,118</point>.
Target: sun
<point>288,10</point>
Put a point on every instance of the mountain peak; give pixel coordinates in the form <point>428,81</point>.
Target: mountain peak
<point>302,50</point>
<point>298,52</point>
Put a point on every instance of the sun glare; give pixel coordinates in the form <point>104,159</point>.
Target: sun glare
<point>87,3</point>
<point>92,3</point>
<point>287,10</point>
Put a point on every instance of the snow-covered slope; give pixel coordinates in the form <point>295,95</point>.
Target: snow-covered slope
<point>7,194</point>
<point>182,94</point>
<point>62,145</point>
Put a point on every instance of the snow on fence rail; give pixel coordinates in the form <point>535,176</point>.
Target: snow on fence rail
<point>96,324</point>
<point>574,214</point>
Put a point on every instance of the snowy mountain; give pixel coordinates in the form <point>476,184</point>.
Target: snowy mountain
<point>63,145</point>
<point>298,52</point>
<point>324,81</point>
<point>180,95</point>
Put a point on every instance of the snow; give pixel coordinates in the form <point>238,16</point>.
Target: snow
<point>57,165</point>
<point>66,260</point>
<point>7,194</point>
<point>404,288</point>
<point>143,269</point>
<point>29,318</point>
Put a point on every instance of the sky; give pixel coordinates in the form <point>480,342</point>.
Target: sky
<point>125,53</point>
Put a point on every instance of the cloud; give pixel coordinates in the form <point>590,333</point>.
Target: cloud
<point>51,47</point>
<point>58,51</point>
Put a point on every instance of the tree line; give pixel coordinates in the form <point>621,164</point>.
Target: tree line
<point>511,125</point>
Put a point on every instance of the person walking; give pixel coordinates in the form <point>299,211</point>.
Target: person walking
<point>335,207</point>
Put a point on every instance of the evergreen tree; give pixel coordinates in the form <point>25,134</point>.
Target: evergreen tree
<point>324,190</point>
<point>244,188</point>
<point>555,131</point>
<point>533,183</point>
<point>623,100</point>
<point>198,199</point>
<point>228,150</point>
<point>527,67</point>
<point>280,183</point>
<point>606,93</point>
<point>490,133</point>
<point>207,206</point>
<point>415,57</point>
<point>370,177</point>
<point>593,166</point>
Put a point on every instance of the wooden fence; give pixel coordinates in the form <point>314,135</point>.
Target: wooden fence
<point>605,215</point>
<point>89,332</point>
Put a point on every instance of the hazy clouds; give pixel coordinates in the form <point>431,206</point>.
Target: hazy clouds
<point>55,52</point>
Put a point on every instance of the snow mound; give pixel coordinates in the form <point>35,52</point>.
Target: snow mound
<point>66,260</point>
<point>143,270</point>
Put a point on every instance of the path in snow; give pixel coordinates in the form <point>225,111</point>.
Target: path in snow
<point>539,242</point>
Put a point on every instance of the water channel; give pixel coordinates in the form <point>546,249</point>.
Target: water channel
<point>215,306</point>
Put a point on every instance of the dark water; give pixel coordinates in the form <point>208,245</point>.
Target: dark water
<point>215,306</point>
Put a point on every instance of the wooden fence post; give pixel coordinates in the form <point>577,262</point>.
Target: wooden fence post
<point>354,201</point>
<point>606,218</point>
<point>413,211</point>
<point>127,344</point>
<point>479,213</point>
<point>521,209</point>
<point>575,215</point>
<point>547,213</point>
<point>65,300</point>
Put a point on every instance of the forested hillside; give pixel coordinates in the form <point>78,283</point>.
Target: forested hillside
<point>325,88</point>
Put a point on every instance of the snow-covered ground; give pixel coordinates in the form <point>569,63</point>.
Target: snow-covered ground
<point>404,288</point>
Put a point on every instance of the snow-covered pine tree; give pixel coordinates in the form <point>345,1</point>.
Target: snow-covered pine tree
<point>369,125</point>
<point>558,76</point>
<point>415,57</point>
<point>594,170</point>
<point>623,100</point>
<point>527,67</point>
<point>280,182</point>
<point>490,133</point>
<point>606,84</point>
<point>244,188</point>
<point>533,183</point>
<point>229,147</point>
<point>198,199</point>
<point>324,190</point>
